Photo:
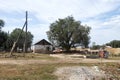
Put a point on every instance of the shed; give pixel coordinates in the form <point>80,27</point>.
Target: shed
<point>42,46</point>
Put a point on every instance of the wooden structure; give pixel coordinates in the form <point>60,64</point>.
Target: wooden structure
<point>42,46</point>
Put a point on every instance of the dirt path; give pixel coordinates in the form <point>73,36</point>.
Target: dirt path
<point>79,73</point>
<point>57,58</point>
<point>32,61</point>
<point>67,73</point>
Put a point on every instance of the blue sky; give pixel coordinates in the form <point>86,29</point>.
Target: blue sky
<point>103,16</point>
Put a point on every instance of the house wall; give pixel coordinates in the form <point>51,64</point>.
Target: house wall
<point>42,48</point>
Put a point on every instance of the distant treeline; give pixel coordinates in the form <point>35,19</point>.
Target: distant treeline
<point>113,44</point>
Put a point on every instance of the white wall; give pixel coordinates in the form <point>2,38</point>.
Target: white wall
<point>41,47</point>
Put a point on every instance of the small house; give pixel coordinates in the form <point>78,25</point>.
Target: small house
<point>42,46</point>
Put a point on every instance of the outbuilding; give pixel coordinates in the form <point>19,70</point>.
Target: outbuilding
<point>42,46</point>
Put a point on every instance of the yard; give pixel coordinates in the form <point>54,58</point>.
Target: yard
<point>44,67</point>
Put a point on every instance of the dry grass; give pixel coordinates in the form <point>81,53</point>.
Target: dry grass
<point>112,70</point>
<point>114,51</point>
<point>27,72</point>
<point>114,58</point>
<point>45,71</point>
<point>39,71</point>
<point>20,56</point>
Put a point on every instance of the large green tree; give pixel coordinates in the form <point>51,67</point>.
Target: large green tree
<point>2,23</point>
<point>14,35</point>
<point>67,33</point>
<point>114,44</point>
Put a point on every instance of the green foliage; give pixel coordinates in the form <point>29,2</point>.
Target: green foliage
<point>96,47</point>
<point>3,36</point>
<point>3,39</point>
<point>14,35</point>
<point>114,44</point>
<point>2,23</point>
<point>67,33</point>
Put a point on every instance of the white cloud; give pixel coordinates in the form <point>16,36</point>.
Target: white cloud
<point>48,11</point>
<point>39,31</point>
<point>60,8</point>
<point>104,31</point>
<point>114,20</point>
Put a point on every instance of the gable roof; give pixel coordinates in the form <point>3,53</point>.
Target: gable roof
<point>43,42</point>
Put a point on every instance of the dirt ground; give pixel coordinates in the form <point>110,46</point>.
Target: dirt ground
<point>66,60</point>
<point>79,73</point>
<point>60,58</point>
<point>70,72</point>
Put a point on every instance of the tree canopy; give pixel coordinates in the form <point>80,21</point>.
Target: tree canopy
<point>3,35</point>
<point>67,33</point>
<point>2,23</point>
<point>114,44</point>
<point>14,35</point>
<point>3,39</point>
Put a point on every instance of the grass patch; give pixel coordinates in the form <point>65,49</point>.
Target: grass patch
<point>114,58</point>
<point>33,71</point>
<point>28,56</point>
<point>112,70</point>
<point>45,71</point>
<point>27,72</point>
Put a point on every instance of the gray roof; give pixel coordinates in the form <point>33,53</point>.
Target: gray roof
<point>43,42</point>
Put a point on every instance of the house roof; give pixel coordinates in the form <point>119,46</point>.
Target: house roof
<point>42,42</point>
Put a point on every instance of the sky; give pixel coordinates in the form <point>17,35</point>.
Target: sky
<point>103,16</point>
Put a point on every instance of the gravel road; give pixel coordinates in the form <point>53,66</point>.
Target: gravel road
<point>79,73</point>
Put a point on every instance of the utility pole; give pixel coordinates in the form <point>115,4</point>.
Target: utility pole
<point>13,47</point>
<point>25,43</point>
